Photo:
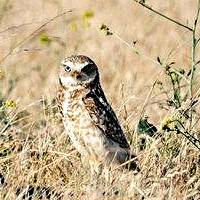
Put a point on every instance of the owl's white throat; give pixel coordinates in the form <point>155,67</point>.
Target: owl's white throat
<point>67,80</point>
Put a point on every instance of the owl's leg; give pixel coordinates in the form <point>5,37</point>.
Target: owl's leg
<point>96,169</point>
<point>100,170</point>
<point>107,174</point>
<point>92,168</point>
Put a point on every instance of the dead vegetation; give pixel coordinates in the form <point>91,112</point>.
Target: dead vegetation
<point>149,67</point>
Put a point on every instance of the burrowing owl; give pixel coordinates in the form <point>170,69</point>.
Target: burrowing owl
<point>88,118</point>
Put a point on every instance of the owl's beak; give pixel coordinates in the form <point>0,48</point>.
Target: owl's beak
<point>79,76</point>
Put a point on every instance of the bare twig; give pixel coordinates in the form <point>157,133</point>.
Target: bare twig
<point>164,16</point>
<point>10,28</point>
<point>33,33</point>
<point>197,62</point>
<point>149,94</point>
<point>194,43</point>
<point>198,40</point>
<point>137,51</point>
<point>194,62</point>
<point>190,137</point>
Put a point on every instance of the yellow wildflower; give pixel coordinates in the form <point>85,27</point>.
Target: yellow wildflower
<point>166,124</point>
<point>10,103</point>
<point>45,38</point>
<point>1,73</point>
<point>88,14</point>
<point>73,26</point>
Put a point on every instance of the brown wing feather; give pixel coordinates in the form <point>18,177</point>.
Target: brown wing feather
<point>104,117</point>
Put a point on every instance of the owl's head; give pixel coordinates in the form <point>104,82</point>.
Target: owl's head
<point>78,70</point>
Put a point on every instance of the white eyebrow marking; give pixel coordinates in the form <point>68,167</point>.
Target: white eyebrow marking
<point>67,63</point>
<point>78,66</point>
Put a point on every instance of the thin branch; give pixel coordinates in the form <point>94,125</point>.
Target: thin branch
<point>164,16</point>
<point>17,26</point>
<point>149,94</point>
<point>137,51</point>
<point>190,137</point>
<point>194,44</point>
<point>197,62</point>
<point>197,41</point>
<point>33,33</point>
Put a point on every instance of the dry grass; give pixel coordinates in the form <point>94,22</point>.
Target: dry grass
<point>34,150</point>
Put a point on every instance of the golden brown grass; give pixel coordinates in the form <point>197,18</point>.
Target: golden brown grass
<point>34,150</point>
